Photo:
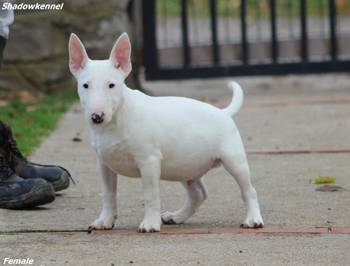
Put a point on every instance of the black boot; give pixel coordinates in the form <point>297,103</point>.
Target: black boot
<point>57,176</point>
<point>19,193</point>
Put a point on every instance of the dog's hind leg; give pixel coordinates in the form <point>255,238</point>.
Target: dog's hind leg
<point>196,194</point>
<point>235,162</point>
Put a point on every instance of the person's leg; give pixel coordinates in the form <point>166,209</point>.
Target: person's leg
<point>57,176</point>
<point>2,47</point>
<point>15,192</point>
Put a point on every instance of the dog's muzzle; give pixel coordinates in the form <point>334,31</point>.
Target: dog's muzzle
<point>97,118</point>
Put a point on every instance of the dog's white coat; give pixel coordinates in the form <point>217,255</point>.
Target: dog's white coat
<point>168,138</point>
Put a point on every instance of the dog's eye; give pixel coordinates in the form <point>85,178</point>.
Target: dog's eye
<point>111,85</point>
<point>85,85</point>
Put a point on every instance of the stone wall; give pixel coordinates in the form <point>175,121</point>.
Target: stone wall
<point>36,56</point>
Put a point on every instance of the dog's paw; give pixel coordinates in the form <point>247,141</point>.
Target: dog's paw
<point>104,222</point>
<point>253,222</point>
<point>150,225</point>
<point>171,218</point>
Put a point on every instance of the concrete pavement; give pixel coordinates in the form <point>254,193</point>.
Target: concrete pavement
<point>279,113</point>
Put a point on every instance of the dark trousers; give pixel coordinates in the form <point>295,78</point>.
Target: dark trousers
<point>2,47</point>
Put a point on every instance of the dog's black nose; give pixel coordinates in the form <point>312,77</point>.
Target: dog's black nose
<point>97,118</point>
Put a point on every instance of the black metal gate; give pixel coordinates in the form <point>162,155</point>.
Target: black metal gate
<point>271,53</point>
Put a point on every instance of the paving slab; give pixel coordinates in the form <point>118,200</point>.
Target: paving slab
<point>92,250</point>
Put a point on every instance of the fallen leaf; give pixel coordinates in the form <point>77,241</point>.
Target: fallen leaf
<point>322,180</point>
<point>329,188</point>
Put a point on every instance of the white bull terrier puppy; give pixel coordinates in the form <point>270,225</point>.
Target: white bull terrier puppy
<point>168,138</point>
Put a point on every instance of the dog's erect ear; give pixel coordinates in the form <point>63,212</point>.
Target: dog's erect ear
<point>77,54</point>
<point>120,54</point>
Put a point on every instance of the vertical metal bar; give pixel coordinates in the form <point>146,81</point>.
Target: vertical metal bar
<point>333,29</point>
<point>274,44</point>
<point>303,31</point>
<point>150,57</point>
<point>214,34</point>
<point>184,27</point>
<point>244,43</point>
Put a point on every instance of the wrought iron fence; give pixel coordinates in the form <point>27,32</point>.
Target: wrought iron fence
<point>211,38</point>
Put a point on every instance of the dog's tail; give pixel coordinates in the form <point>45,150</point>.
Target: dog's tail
<point>237,99</point>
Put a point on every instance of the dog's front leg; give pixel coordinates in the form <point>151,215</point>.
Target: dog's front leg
<point>150,174</point>
<point>108,214</point>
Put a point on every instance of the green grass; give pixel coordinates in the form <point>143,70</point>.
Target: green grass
<point>31,123</point>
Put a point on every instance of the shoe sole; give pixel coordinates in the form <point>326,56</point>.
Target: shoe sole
<point>37,196</point>
<point>62,183</point>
